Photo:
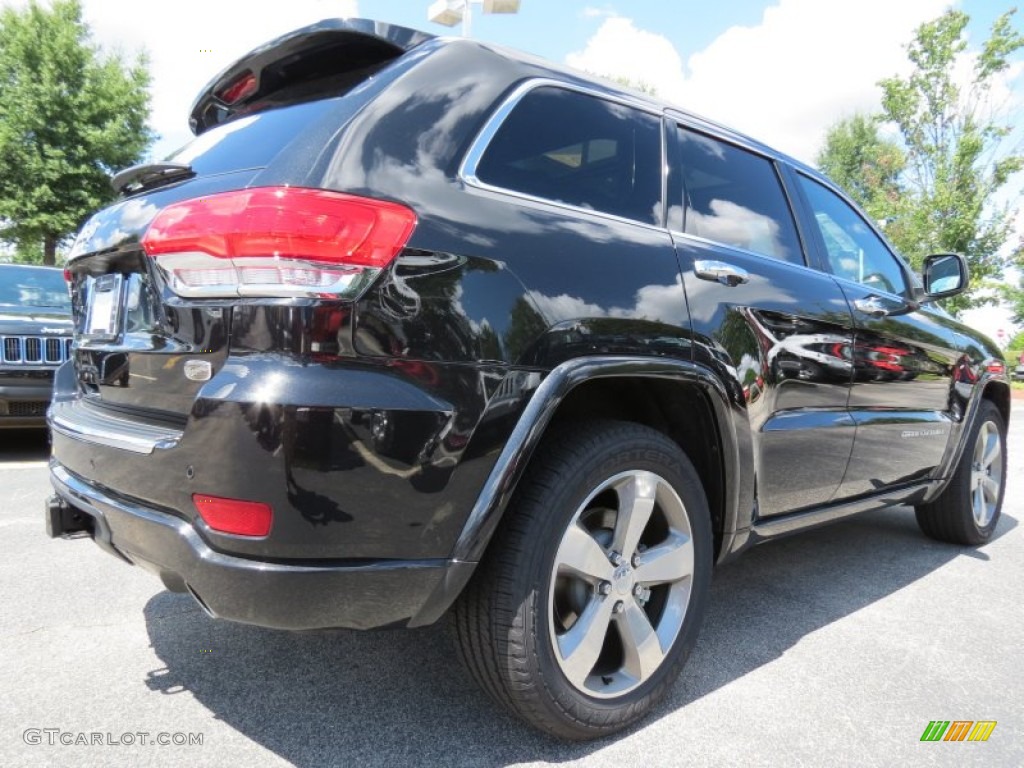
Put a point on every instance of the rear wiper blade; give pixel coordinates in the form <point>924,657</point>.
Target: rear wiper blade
<point>149,175</point>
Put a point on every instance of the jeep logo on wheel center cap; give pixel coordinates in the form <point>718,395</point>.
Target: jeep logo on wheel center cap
<point>198,370</point>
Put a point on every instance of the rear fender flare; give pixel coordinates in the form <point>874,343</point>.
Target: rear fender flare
<point>515,456</point>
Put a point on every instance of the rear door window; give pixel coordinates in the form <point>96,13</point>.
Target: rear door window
<point>735,197</point>
<point>581,150</point>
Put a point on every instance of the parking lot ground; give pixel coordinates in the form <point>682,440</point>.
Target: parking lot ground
<point>834,647</point>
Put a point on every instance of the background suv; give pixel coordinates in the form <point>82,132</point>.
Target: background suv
<point>422,324</point>
<point>35,338</point>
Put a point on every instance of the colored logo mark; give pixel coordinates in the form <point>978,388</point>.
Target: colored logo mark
<point>958,730</point>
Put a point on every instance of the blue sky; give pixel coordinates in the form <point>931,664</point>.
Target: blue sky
<point>554,28</point>
<point>782,70</point>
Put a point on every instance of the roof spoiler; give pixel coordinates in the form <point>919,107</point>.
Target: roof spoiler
<point>329,47</point>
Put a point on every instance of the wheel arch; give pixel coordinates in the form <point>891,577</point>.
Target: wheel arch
<point>598,383</point>
<point>998,392</point>
<point>991,389</point>
<point>678,398</point>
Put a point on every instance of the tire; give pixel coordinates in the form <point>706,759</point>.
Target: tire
<point>548,576</point>
<point>967,511</point>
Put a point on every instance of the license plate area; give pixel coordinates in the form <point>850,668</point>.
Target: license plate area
<point>103,314</point>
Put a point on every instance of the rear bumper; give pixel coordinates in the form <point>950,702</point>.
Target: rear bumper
<point>360,595</point>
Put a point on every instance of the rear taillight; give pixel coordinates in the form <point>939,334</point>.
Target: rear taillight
<point>241,518</point>
<point>276,241</point>
<point>242,87</point>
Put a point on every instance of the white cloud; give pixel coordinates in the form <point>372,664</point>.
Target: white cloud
<point>806,65</point>
<point>190,41</point>
<point>651,302</point>
<point>619,49</point>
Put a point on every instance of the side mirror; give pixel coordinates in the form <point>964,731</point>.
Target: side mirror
<point>944,275</point>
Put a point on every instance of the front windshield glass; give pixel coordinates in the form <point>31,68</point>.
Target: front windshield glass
<point>33,287</point>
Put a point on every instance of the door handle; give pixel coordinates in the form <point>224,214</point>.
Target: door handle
<point>871,306</point>
<point>720,271</point>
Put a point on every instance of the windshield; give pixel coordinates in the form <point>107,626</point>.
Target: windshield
<point>33,287</point>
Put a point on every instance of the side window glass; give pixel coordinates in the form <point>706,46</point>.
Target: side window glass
<point>735,197</point>
<point>854,251</point>
<point>572,148</point>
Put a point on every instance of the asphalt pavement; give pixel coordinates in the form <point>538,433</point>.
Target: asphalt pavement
<point>833,647</point>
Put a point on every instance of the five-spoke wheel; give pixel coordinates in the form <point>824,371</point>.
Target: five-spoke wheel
<point>589,600</point>
<point>620,584</point>
<point>987,473</point>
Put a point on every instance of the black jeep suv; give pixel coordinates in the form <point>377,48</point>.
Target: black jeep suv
<point>423,326</point>
<point>35,338</point>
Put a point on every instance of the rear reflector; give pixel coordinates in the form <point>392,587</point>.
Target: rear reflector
<point>241,518</point>
<point>276,241</point>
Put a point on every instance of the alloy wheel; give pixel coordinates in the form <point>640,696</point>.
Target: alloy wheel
<point>986,473</point>
<point>620,584</point>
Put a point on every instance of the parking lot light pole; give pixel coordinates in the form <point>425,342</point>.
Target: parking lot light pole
<point>451,12</point>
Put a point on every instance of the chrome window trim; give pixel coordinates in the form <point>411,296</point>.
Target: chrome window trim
<point>467,172</point>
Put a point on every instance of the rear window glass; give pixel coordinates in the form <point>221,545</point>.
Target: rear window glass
<point>252,141</point>
<point>735,197</point>
<point>572,148</point>
<point>28,287</point>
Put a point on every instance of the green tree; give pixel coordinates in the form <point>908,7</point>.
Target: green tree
<point>867,166</point>
<point>1014,349</point>
<point>69,116</point>
<point>954,160</point>
<point>637,85</point>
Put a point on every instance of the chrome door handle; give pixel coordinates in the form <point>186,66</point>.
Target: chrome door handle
<point>871,306</point>
<point>720,271</point>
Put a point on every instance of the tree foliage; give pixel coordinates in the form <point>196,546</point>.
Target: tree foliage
<point>936,186</point>
<point>1014,349</point>
<point>69,116</point>
<point>865,164</point>
<point>637,85</point>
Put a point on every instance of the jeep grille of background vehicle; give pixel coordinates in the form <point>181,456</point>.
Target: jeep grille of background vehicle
<point>34,350</point>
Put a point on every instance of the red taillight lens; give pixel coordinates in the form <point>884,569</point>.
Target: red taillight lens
<point>276,241</point>
<point>996,367</point>
<point>241,518</point>
<point>239,89</point>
